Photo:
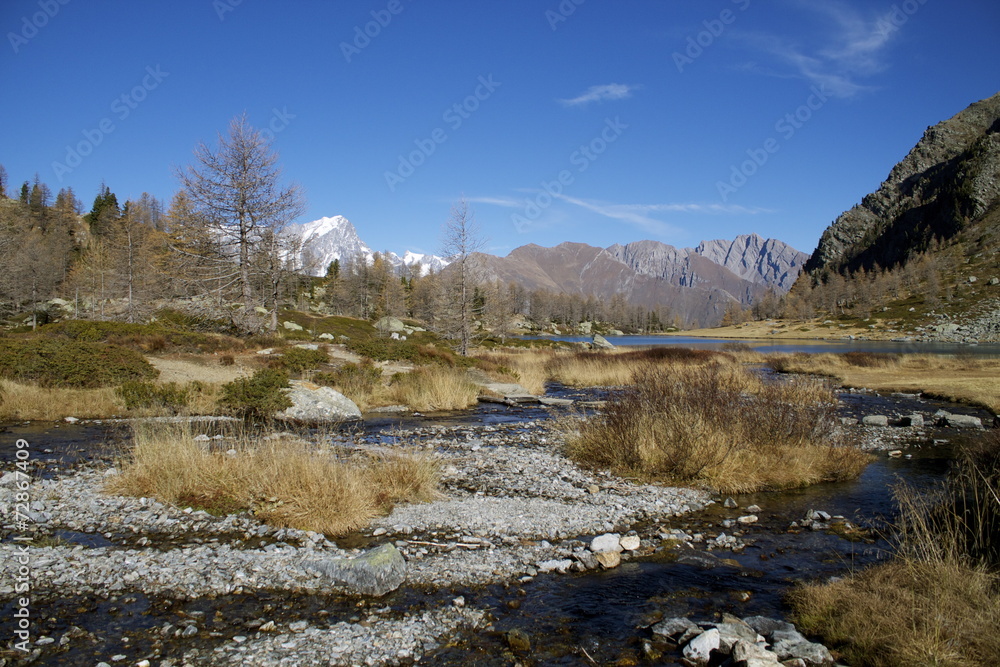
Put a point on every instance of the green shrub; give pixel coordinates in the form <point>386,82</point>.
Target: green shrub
<point>352,379</point>
<point>298,359</point>
<point>155,337</point>
<point>383,349</point>
<point>256,397</point>
<point>139,394</point>
<point>62,363</point>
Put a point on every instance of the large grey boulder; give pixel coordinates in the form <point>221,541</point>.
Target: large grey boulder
<point>601,343</point>
<point>312,403</point>
<point>390,325</point>
<point>957,421</point>
<point>375,572</point>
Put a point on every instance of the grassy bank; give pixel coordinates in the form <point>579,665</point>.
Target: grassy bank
<point>532,368</point>
<point>937,602</point>
<point>286,482</point>
<point>719,426</point>
<point>955,378</point>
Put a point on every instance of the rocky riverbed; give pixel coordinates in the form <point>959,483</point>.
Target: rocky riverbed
<point>230,590</point>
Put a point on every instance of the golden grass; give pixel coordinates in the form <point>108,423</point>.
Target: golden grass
<point>532,368</point>
<point>937,602</point>
<point>907,613</point>
<point>956,378</point>
<point>287,482</point>
<point>719,426</point>
<point>434,388</point>
<point>25,401</point>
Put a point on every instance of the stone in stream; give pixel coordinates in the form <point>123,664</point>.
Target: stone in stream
<point>875,420</point>
<point>699,650</point>
<point>609,559</point>
<point>376,572</point>
<point>751,654</point>
<point>312,403</point>
<point>673,627</point>
<point>730,504</point>
<point>630,543</point>
<point>606,542</point>
<point>957,421</point>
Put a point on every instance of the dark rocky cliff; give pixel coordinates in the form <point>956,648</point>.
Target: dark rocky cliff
<point>948,181</point>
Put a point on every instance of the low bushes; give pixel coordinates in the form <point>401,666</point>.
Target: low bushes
<point>170,397</point>
<point>299,359</point>
<point>719,426</point>
<point>258,396</point>
<point>151,338</point>
<point>63,363</point>
<point>937,602</point>
<point>287,482</point>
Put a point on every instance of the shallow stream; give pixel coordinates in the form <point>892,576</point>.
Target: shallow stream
<point>603,615</point>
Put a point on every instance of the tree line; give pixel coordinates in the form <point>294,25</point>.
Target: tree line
<point>223,245</point>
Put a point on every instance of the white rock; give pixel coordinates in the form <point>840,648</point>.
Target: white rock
<point>606,542</point>
<point>699,650</point>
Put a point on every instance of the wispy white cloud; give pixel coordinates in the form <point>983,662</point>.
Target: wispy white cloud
<point>611,91</point>
<point>849,47</point>
<point>506,202</point>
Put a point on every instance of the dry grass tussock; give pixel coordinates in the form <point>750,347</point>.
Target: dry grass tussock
<point>719,426</point>
<point>938,601</point>
<point>434,388</point>
<point>28,401</point>
<point>532,368</point>
<point>288,482</point>
<point>959,378</point>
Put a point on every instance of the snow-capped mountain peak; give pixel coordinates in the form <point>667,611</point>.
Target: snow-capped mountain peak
<point>335,238</point>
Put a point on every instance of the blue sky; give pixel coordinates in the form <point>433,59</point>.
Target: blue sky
<point>571,120</point>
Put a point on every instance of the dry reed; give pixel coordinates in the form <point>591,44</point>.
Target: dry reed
<point>285,482</point>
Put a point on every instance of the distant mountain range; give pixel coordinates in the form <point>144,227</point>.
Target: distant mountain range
<point>335,238</point>
<point>697,284</point>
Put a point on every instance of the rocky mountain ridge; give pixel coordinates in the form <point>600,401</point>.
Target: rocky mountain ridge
<point>950,179</point>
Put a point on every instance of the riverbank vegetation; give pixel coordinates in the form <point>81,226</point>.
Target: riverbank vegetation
<point>285,482</point>
<point>937,602</point>
<point>720,426</point>
<point>963,379</point>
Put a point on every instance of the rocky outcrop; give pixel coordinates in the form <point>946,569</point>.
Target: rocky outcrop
<point>950,179</point>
